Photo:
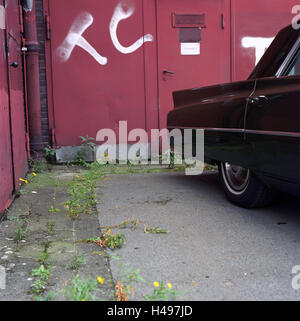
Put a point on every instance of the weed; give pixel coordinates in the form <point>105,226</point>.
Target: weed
<point>50,227</point>
<point>11,218</point>
<point>42,272</point>
<point>43,257</point>
<point>82,289</point>
<point>161,292</point>
<point>121,294</point>
<point>46,245</point>
<point>77,262</point>
<point>20,234</point>
<point>88,141</point>
<point>21,229</point>
<point>39,285</point>
<point>49,152</point>
<point>113,241</point>
<point>155,230</point>
<point>82,194</point>
<point>107,240</point>
<point>37,165</point>
<point>50,296</point>
<point>171,158</point>
<point>127,277</point>
<point>87,145</point>
<point>133,224</point>
<point>53,209</point>
<point>20,193</point>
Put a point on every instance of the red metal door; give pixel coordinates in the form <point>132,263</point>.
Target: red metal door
<point>6,171</point>
<point>96,82</point>
<point>15,77</point>
<point>181,63</point>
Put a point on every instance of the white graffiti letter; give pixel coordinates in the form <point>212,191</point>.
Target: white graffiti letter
<point>121,14</point>
<point>74,38</point>
<point>259,43</point>
<point>296,19</point>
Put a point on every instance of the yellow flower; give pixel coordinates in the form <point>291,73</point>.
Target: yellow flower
<point>23,180</point>
<point>83,300</point>
<point>169,285</point>
<point>100,279</point>
<point>156,284</point>
<point>33,173</point>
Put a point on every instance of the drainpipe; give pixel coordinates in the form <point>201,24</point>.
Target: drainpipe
<point>33,76</point>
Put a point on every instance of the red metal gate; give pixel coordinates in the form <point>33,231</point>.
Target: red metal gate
<point>6,171</point>
<point>98,67</point>
<point>13,157</point>
<point>16,92</point>
<point>193,47</point>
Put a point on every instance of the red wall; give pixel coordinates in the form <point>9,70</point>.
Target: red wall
<point>254,23</point>
<point>86,96</point>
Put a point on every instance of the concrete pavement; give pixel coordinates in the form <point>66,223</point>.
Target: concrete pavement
<point>214,250</point>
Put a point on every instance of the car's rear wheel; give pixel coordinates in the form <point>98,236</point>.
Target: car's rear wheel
<point>243,187</point>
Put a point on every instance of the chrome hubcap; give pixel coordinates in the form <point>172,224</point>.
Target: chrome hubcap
<point>236,176</point>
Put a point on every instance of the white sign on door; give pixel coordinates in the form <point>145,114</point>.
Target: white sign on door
<point>190,48</point>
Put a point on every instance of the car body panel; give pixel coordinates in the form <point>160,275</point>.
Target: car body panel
<point>254,123</point>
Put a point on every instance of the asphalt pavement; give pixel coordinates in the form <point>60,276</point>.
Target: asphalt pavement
<point>213,250</point>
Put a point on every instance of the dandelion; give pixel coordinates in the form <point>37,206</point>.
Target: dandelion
<point>100,280</point>
<point>33,173</point>
<point>156,284</point>
<point>83,300</point>
<point>23,180</point>
<point>169,285</point>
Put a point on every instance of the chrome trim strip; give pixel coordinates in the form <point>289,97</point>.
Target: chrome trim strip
<point>273,133</point>
<point>288,59</point>
<point>247,131</point>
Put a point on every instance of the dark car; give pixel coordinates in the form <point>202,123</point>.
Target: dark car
<point>252,128</point>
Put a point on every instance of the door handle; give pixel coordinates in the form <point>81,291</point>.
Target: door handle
<point>257,100</point>
<point>168,72</point>
<point>14,64</point>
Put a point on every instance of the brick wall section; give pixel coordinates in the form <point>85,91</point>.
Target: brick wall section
<point>40,21</point>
